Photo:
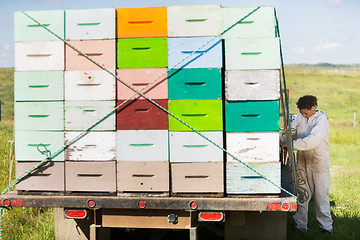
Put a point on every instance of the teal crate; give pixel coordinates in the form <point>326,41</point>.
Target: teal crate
<point>25,29</point>
<point>195,83</point>
<point>142,53</point>
<point>29,145</point>
<point>242,180</point>
<point>39,86</point>
<point>36,116</point>
<point>202,115</point>
<point>251,116</point>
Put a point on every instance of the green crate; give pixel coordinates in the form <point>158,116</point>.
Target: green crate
<point>25,29</point>
<point>252,53</point>
<point>39,116</point>
<point>142,53</point>
<point>203,115</point>
<point>39,86</point>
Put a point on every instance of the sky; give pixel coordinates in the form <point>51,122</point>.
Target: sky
<point>312,31</point>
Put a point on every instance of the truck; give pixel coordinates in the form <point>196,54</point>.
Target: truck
<point>202,154</point>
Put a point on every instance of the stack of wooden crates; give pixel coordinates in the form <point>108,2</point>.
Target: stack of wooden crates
<point>228,90</point>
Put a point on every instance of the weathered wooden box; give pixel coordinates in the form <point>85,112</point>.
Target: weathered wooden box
<point>242,180</point>
<point>198,20</point>
<point>252,85</point>
<point>92,146</point>
<point>198,177</point>
<point>253,146</point>
<point>49,177</point>
<point>81,115</point>
<point>143,176</point>
<point>90,176</point>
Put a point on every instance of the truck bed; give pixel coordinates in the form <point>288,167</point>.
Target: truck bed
<point>228,203</point>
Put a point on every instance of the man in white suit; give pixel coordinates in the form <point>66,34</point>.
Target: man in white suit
<point>310,134</point>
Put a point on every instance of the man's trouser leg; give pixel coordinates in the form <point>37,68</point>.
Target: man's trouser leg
<point>322,203</point>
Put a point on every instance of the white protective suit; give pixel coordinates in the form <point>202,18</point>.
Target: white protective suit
<point>311,142</point>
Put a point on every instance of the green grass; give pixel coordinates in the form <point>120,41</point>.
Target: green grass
<point>7,93</point>
<point>18,223</point>
<point>338,92</point>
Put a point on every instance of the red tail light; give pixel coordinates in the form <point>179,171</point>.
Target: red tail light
<point>211,216</point>
<point>6,203</point>
<point>193,205</point>
<point>91,203</point>
<point>286,207</point>
<point>274,206</point>
<point>142,204</point>
<point>76,213</point>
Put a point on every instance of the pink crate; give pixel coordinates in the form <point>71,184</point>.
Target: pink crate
<point>101,51</point>
<point>139,78</point>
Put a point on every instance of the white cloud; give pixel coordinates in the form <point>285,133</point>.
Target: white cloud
<point>335,3</point>
<point>326,45</point>
<point>299,50</point>
<point>74,7</point>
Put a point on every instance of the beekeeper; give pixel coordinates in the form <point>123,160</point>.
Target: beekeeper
<point>310,134</point>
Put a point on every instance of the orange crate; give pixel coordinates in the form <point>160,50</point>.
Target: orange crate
<point>141,22</point>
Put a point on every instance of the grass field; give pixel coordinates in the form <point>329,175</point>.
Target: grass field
<point>338,92</point>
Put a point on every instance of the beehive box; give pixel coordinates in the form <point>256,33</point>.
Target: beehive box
<point>217,77</point>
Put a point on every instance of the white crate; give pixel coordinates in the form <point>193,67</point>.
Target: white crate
<point>94,146</point>
<point>90,24</point>
<point>190,147</point>
<point>252,85</point>
<point>80,115</point>
<point>189,21</point>
<point>253,146</point>
<point>89,85</point>
<point>39,56</point>
<point>142,145</point>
